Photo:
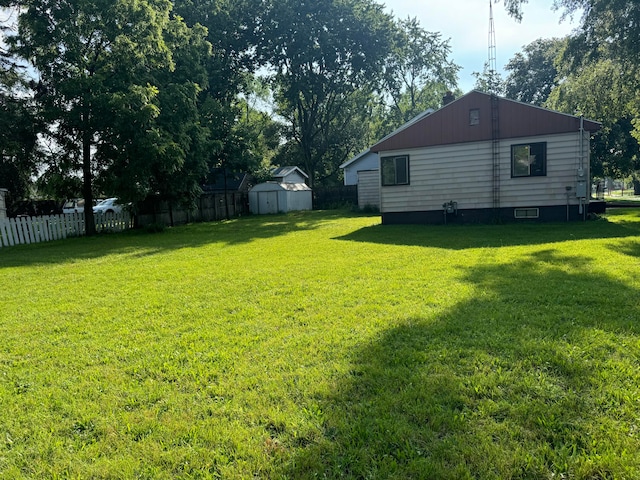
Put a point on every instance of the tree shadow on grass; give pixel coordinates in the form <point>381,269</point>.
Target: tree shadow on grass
<point>535,376</point>
<point>629,248</point>
<point>460,237</point>
<point>140,243</point>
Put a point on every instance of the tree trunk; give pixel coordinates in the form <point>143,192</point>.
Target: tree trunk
<point>226,200</point>
<point>87,193</point>
<point>636,186</point>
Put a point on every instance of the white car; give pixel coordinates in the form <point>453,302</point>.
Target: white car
<point>75,205</point>
<point>110,205</point>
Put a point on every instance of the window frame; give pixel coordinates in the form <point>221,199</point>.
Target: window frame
<point>474,117</point>
<point>526,212</point>
<point>396,159</point>
<point>540,149</point>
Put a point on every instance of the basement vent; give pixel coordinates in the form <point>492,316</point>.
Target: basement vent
<point>526,213</point>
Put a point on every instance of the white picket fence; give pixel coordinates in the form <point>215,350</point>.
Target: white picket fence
<point>23,230</point>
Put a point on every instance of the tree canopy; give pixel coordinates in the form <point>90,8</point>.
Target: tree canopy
<point>139,98</point>
<point>533,73</point>
<point>417,74</point>
<point>92,61</point>
<point>596,75</point>
<point>325,58</point>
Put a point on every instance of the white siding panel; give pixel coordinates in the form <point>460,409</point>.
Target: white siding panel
<point>440,174</point>
<point>369,188</point>
<point>463,173</point>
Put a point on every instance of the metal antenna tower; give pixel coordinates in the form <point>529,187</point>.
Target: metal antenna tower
<point>492,51</point>
<point>495,115</point>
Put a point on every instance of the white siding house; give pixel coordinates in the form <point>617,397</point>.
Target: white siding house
<point>363,171</point>
<point>366,160</point>
<point>455,166</point>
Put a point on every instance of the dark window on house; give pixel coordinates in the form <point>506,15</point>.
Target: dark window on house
<point>395,170</point>
<point>529,160</point>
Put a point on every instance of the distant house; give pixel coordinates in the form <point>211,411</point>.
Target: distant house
<point>362,170</point>
<point>221,180</point>
<point>289,174</point>
<point>483,157</point>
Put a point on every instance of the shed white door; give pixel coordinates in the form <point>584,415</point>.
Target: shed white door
<point>267,202</point>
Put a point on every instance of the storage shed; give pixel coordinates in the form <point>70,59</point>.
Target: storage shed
<point>275,197</point>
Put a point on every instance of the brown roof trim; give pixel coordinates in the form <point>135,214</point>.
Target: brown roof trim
<point>451,123</point>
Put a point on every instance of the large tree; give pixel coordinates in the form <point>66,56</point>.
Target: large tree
<point>166,154</point>
<point>19,127</point>
<point>232,27</point>
<point>601,78</point>
<point>417,73</point>
<point>326,58</point>
<point>609,31</point>
<point>598,90</point>
<point>92,59</point>
<point>19,124</point>
<point>532,72</point>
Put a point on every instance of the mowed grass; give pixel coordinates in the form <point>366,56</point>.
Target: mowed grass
<point>324,345</point>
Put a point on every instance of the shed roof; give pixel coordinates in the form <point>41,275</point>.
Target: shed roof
<point>451,123</point>
<point>287,170</point>
<point>277,186</point>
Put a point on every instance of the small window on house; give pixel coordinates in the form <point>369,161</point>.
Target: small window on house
<point>529,160</point>
<point>395,170</point>
<point>474,116</point>
<point>526,213</point>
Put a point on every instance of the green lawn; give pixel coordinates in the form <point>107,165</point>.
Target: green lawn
<point>612,200</point>
<point>324,345</point>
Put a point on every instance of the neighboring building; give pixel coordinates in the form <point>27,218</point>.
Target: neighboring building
<point>288,193</point>
<point>275,197</point>
<point>482,158</point>
<point>362,170</point>
<point>3,205</point>
<point>221,180</point>
<point>290,174</point>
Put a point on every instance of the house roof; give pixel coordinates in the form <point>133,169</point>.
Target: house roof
<point>356,158</point>
<point>368,151</point>
<point>451,123</point>
<point>284,171</point>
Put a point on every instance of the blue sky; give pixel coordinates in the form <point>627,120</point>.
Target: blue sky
<point>466,24</point>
